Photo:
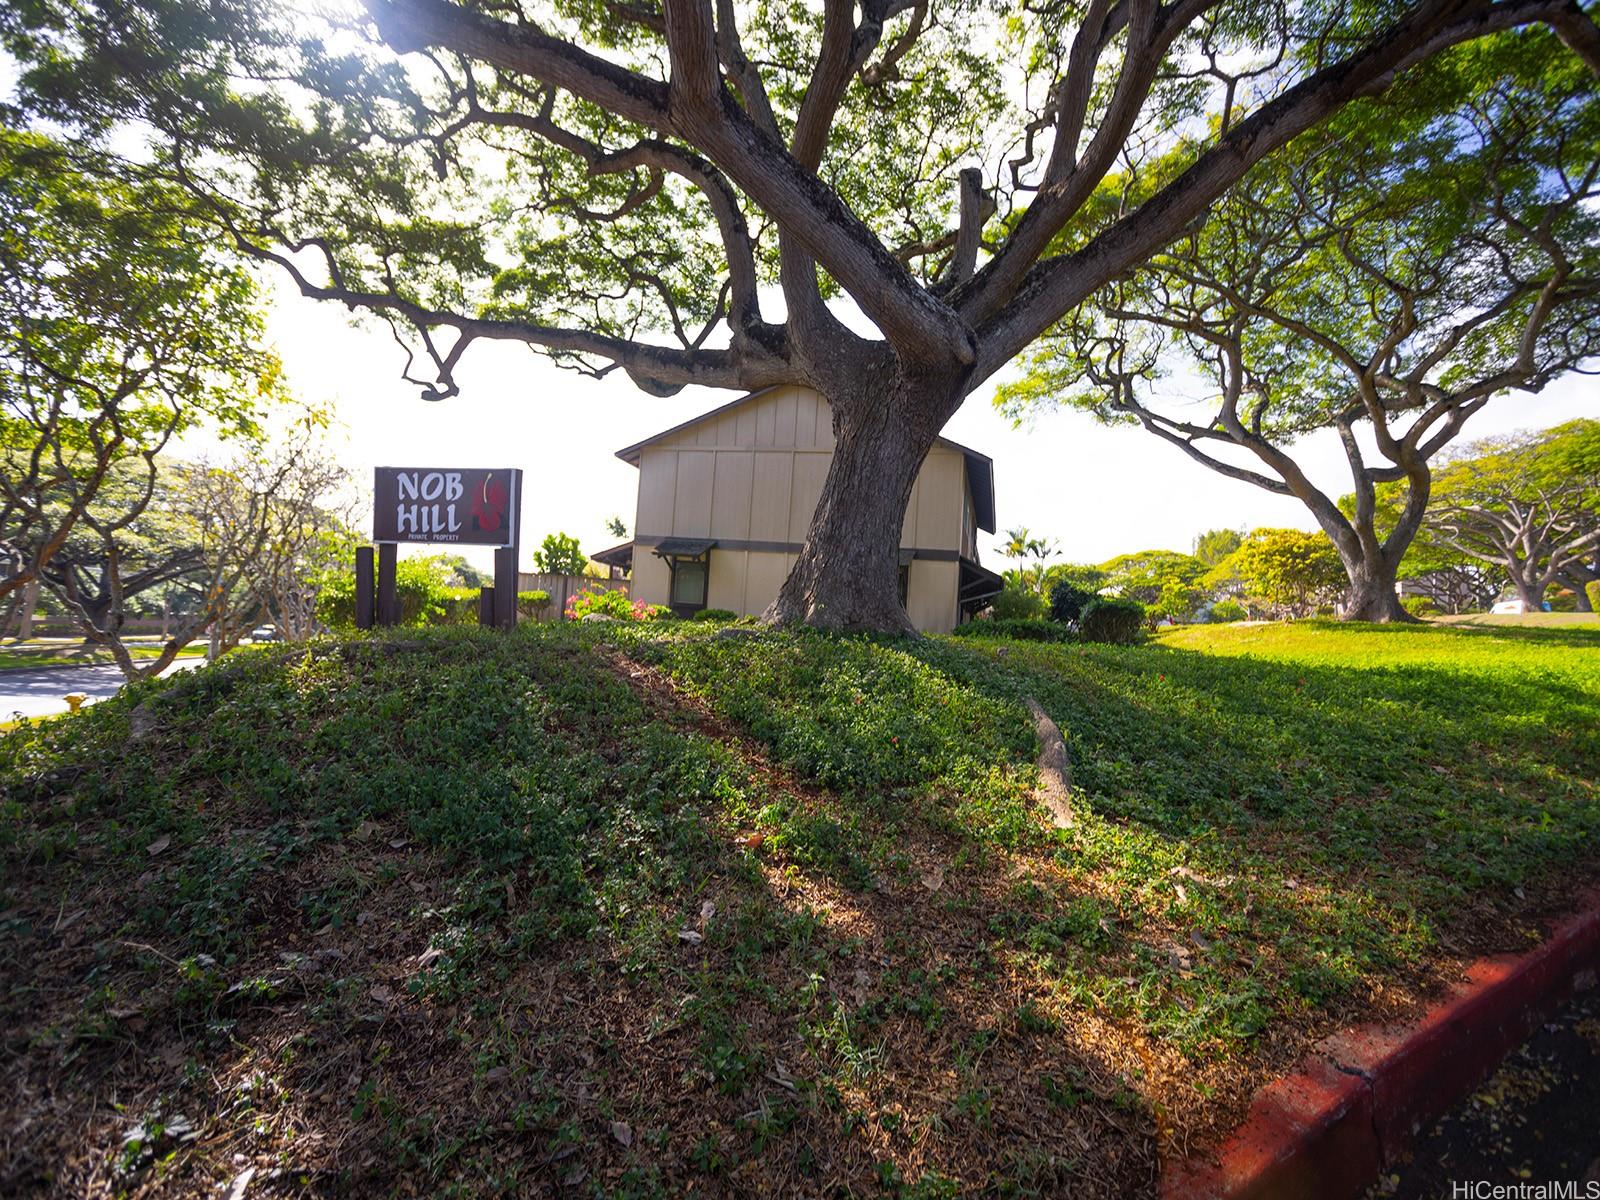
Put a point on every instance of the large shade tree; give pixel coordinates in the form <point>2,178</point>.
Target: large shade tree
<point>1385,277</point>
<point>677,189</point>
<point>121,326</point>
<point>1527,505</point>
<point>132,539</point>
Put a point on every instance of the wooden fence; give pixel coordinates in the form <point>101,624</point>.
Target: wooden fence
<point>563,587</point>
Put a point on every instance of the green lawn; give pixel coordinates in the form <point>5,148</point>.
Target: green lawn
<point>637,910</point>
<point>1579,620</point>
<point>21,656</point>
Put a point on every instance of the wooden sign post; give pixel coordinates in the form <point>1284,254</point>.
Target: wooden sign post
<point>364,584</point>
<point>505,587</point>
<point>451,506</point>
<point>388,599</point>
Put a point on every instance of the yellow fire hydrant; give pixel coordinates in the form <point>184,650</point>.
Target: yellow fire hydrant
<point>75,701</point>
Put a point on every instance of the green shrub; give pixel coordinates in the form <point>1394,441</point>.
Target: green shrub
<point>420,586</point>
<point>1017,604</point>
<point>1419,606</point>
<point>1027,630</point>
<point>559,554</point>
<point>457,606</point>
<point>605,602</point>
<point>1592,590</point>
<point>714,614</point>
<point>533,604</point>
<point>1118,622</point>
<point>1227,610</point>
<point>1068,601</point>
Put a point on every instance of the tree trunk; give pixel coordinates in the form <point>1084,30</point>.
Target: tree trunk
<point>30,602</point>
<point>1371,595</point>
<point>1577,577</point>
<point>847,575</point>
<point>1370,565</point>
<point>1529,591</point>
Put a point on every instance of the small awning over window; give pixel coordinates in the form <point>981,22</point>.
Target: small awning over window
<point>674,547</point>
<point>620,557</point>
<point>977,586</point>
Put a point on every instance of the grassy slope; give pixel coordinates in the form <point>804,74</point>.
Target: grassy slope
<point>641,911</point>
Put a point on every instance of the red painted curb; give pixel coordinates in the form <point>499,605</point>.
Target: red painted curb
<point>1359,1098</point>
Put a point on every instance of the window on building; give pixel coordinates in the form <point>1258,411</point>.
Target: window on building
<point>689,562</point>
<point>689,584</point>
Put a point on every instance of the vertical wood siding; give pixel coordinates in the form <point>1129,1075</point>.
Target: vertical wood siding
<point>755,473</point>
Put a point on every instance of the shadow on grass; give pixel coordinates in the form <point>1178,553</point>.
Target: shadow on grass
<point>1576,636</point>
<point>414,910</point>
<point>1267,839</point>
<point>411,913</point>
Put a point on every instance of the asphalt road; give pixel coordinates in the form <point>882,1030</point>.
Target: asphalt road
<point>1536,1121</point>
<point>41,691</point>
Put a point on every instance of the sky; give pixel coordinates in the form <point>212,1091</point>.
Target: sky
<point>1098,491</point>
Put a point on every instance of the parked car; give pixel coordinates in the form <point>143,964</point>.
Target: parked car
<point>265,633</point>
<point>1515,605</point>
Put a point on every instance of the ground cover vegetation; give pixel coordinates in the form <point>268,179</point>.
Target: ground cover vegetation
<point>644,908</point>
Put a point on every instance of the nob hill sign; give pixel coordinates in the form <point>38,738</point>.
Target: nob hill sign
<point>460,506</point>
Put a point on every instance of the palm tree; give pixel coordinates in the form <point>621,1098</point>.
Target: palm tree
<point>1022,545</point>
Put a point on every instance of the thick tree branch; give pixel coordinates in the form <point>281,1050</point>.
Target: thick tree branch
<point>1055,286</point>
<point>660,370</point>
<point>918,325</point>
<point>1579,32</point>
<point>660,154</point>
<point>413,25</point>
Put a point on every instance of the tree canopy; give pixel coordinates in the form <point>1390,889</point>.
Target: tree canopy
<point>1528,504</point>
<point>559,554</point>
<point>1163,581</point>
<point>1289,571</point>
<point>120,327</point>
<point>1214,545</point>
<point>1383,277</point>
<point>644,186</point>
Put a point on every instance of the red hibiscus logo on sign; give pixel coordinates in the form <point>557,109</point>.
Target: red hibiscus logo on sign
<point>488,504</point>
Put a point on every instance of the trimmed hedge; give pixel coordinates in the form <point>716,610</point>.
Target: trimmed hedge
<point>532,604</point>
<point>1117,622</point>
<point>714,614</point>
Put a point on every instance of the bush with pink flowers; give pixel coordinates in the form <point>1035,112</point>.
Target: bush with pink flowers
<point>614,604</point>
